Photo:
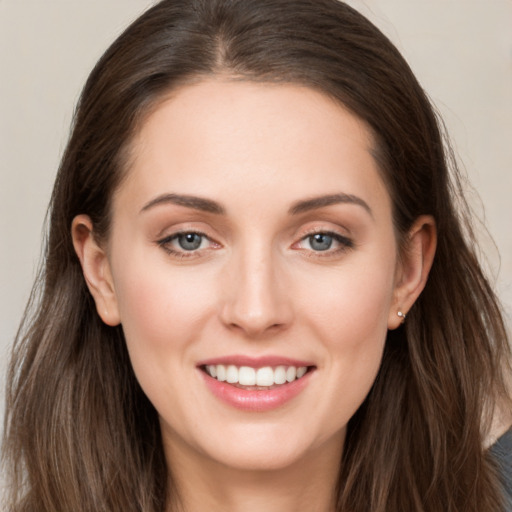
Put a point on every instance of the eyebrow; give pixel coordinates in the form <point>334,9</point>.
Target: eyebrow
<point>197,203</point>
<point>207,205</point>
<point>328,200</point>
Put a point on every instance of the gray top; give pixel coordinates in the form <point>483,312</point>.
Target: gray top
<point>502,451</point>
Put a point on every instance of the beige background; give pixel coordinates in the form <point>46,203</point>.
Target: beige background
<point>461,50</point>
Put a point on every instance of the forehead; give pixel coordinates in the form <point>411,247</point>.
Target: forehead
<point>224,139</point>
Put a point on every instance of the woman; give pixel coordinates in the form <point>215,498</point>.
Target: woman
<point>258,293</point>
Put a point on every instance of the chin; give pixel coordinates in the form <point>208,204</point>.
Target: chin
<point>254,459</point>
<point>276,449</point>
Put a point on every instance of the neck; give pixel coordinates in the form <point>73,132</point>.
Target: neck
<point>308,485</point>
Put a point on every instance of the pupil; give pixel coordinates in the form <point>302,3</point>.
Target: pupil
<point>189,241</point>
<point>320,242</point>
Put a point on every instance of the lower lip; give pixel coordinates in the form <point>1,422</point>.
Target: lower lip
<point>256,400</point>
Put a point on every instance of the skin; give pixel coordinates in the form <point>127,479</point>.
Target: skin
<point>256,286</point>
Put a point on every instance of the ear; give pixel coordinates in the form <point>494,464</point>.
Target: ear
<point>96,269</point>
<point>413,268</point>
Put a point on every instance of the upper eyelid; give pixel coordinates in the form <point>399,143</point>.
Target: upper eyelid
<point>325,231</point>
<point>314,230</point>
<point>323,224</point>
<point>173,236</point>
<point>337,236</point>
<point>182,231</point>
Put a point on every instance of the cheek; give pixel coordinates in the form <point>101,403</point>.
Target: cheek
<point>163,311</point>
<point>351,304</point>
<point>350,318</point>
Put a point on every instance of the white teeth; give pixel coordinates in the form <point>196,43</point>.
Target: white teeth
<point>263,377</point>
<point>221,372</point>
<point>301,371</point>
<point>291,373</point>
<point>247,376</point>
<point>232,374</point>
<point>280,375</point>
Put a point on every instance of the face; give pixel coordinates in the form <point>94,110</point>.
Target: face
<point>253,265</point>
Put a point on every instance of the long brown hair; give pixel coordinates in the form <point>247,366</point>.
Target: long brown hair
<point>80,434</point>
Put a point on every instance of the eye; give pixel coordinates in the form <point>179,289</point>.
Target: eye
<point>189,241</point>
<point>186,243</point>
<point>328,242</point>
<point>320,241</point>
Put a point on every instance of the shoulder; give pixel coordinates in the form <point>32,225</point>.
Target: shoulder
<point>501,451</point>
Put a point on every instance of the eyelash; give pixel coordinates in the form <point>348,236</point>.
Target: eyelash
<point>344,242</point>
<point>164,243</point>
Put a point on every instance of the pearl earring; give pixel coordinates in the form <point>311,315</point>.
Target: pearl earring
<point>401,315</point>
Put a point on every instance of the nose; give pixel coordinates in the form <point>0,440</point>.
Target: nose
<point>256,299</point>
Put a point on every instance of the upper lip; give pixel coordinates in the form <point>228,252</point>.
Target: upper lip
<point>255,362</point>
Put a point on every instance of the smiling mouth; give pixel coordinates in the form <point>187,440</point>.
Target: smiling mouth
<point>256,379</point>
